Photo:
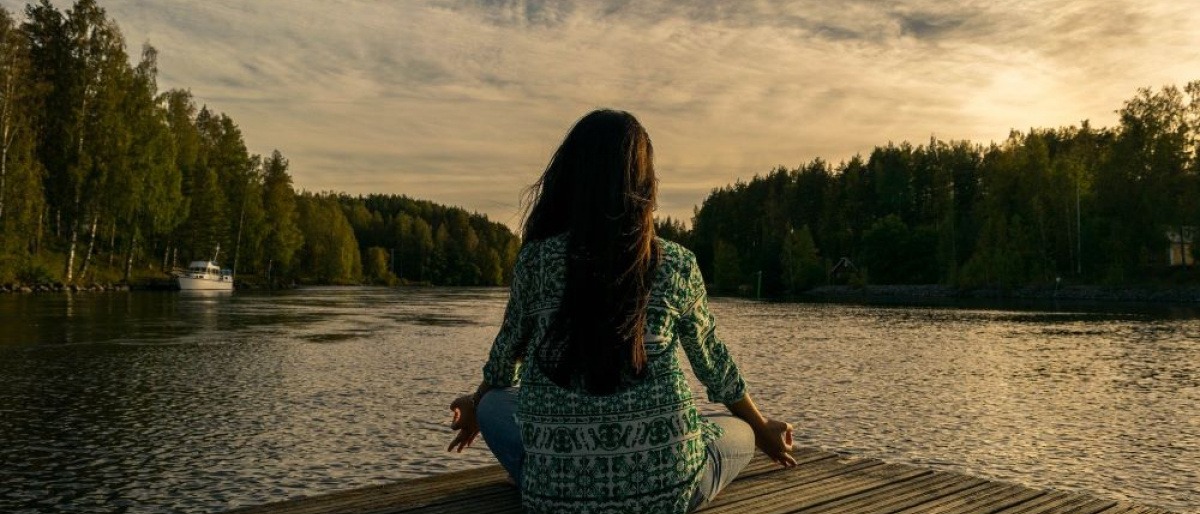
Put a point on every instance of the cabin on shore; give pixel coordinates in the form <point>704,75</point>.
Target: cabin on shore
<point>1180,252</point>
<point>841,272</point>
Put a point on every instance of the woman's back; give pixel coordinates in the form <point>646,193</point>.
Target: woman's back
<point>604,420</point>
<point>639,449</point>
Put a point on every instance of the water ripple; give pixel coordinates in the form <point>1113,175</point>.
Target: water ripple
<point>147,403</point>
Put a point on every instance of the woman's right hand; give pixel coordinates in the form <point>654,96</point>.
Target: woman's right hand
<point>464,421</point>
<point>774,438</point>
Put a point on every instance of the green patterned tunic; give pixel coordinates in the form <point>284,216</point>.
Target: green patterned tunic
<point>640,450</point>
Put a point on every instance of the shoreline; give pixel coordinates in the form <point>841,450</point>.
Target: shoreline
<point>64,288</point>
<point>108,287</point>
<point>1073,293</point>
<point>837,293</point>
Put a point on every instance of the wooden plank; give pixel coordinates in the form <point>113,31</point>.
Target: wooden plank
<point>497,493</point>
<point>769,482</point>
<point>792,498</point>
<point>761,464</point>
<point>507,498</point>
<point>986,498</point>
<point>1058,502</point>
<point>507,501</point>
<point>469,500</point>
<point>410,492</point>
<point>896,497</point>
<point>821,483</point>
<point>1124,507</point>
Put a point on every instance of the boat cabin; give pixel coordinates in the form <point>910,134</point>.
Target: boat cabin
<point>208,269</point>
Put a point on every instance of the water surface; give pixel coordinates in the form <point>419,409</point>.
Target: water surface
<point>164,402</point>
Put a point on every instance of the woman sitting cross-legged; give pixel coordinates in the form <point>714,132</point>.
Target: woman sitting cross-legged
<point>604,420</point>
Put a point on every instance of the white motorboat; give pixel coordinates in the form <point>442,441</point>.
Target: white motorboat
<point>205,276</point>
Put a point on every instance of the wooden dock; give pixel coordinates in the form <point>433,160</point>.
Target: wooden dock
<point>822,483</point>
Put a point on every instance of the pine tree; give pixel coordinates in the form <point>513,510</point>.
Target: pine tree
<point>282,235</point>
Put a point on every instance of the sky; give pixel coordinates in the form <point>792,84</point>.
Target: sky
<point>462,102</point>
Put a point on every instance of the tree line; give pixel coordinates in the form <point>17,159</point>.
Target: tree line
<point>1079,203</point>
<point>103,177</point>
<point>421,241</point>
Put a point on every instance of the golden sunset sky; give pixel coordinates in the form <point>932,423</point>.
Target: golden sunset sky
<point>462,102</point>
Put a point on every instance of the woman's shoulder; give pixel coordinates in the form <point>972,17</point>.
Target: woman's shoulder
<point>675,256</point>
<point>677,271</point>
<point>541,248</point>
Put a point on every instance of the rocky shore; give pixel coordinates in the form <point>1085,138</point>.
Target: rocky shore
<point>62,288</point>
<point>143,284</point>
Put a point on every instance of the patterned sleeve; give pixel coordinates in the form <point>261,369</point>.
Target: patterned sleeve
<point>504,361</point>
<point>709,356</point>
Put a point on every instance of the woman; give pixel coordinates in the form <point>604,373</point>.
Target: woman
<point>603,420</point>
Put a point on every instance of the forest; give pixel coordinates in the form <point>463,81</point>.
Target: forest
<point>1116,206</point>
<point>105,179</point>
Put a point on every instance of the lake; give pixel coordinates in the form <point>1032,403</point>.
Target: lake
<point>166,402</point>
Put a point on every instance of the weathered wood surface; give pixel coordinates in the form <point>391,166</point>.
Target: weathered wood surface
<point>822,483</point>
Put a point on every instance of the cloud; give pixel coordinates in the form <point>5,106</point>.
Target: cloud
<point>463,101</point>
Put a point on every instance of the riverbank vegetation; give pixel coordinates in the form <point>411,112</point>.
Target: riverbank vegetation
<point>1080,204</point>
<point>104,178</point>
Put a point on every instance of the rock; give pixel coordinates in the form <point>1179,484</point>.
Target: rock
<point>26,289</point>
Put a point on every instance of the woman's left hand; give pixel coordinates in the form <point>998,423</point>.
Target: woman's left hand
<point>464,421</point>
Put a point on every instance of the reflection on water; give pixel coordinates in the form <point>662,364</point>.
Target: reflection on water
<point>161,402</point>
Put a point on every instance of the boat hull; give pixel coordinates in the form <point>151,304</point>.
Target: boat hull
<point>204,284</point>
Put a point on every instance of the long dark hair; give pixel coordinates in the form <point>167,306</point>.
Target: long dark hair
<point>599,188</point>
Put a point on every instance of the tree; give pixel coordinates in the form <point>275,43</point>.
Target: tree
<point>21,197</point>
<point>671,230</point>
<point>46,41</point>
<point>205,227</point>
<point>885,250</point>
<point>155,204</point>
<point>330,253</point>
<point>106,171</point>
<point>375,266</point>
<point>421,247</point>
<point>802,268</point>
<point>180,114</point>
<point>283,235</point>
<point>490,268</point>
<point>1142,183</point>
<point>14,70</point>
<point>727,268</point>
<point>81,68</point>
<point>223,151</point>
<point>101,172</point>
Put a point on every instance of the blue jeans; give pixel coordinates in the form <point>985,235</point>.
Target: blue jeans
<point>727,456</point>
